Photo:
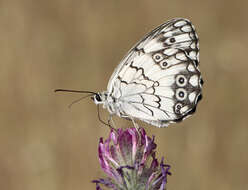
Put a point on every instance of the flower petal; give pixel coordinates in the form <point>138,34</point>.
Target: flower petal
<point>104,159</point>
<point>125,143</point>
<point>135,138</point>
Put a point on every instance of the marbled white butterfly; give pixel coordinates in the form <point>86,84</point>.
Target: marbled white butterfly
<point>158,81</point>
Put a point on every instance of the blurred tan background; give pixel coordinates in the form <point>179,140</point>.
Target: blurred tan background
<point>46,45</point>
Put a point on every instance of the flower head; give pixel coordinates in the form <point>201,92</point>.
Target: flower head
<point>128,158</point>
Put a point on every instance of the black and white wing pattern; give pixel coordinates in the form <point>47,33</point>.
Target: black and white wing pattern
<point>159,80</point>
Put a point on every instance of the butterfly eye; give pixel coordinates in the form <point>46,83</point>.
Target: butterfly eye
<point>181,94</point>
<point>98,98</point>
<point>181,80</point>
<point>157,57</point>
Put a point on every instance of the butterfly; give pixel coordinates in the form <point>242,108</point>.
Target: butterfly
<point>158,81</point>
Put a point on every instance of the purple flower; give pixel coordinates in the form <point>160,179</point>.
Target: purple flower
<point>128,159</point>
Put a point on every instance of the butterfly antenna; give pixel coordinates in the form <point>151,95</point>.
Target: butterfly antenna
<point>74,91</point>
<point>75,101</point>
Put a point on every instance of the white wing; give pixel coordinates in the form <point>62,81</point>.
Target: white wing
<point>159,80</point>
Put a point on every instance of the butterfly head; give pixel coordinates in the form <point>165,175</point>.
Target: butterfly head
<point>99,98</point>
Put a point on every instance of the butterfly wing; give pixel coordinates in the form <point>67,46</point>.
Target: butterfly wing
<point>159,81</point>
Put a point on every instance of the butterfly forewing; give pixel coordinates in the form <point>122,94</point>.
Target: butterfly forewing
<point>159,81</point>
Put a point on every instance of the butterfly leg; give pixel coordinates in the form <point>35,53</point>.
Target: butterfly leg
<point>135,124</point>
<point>110,120</point>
